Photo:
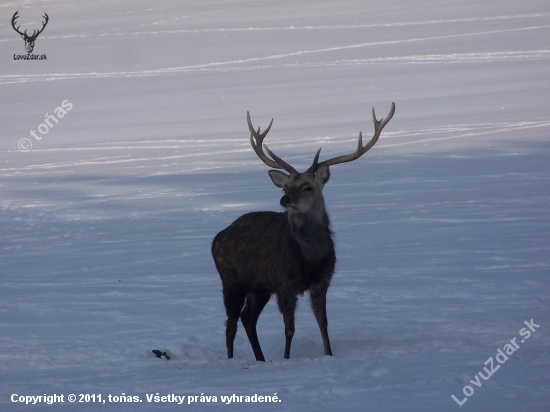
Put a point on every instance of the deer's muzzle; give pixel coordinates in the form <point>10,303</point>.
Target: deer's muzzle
<point>285,201</point>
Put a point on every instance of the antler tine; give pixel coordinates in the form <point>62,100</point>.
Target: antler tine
<point>257,144</point>
<point>361,150</point>
<point>315,165</point>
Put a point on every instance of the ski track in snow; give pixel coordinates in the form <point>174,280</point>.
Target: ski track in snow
<point>441,230</point>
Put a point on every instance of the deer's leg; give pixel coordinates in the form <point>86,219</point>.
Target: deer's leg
<point>233,298</point>
<point>255,303</point>
<point>287,306</point>
<point>318,297</point>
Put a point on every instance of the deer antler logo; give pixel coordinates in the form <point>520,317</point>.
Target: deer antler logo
<point>29,40</point>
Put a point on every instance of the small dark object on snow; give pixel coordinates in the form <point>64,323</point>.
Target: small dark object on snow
<point>160,354</point>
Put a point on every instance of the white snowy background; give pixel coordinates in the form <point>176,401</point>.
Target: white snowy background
<point>442,230</point>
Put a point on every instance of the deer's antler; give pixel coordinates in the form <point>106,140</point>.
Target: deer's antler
<point>256,140</point>
<point>361,150</point>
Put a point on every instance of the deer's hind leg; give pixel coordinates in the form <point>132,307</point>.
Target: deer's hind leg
<point>255,303</point>
<point>233,299</point>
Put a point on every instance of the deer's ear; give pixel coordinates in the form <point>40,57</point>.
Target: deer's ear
<point>322,175</point>
<point>279,179</point>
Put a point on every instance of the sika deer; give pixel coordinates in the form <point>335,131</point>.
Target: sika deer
<point>266,253</point>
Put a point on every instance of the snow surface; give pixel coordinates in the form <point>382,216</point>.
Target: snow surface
<point>442,230</point>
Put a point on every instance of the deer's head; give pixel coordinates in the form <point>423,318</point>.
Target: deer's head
<point>29,40</point>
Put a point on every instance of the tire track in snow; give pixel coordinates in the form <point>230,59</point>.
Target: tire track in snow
<point>10,79</point>
<point>299,28</point>
<point>532,55</point>
<point>460,132</point>
<point>139,154</point>
<point>349,27</point>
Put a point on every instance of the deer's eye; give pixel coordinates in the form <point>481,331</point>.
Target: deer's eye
<point>308,189</point>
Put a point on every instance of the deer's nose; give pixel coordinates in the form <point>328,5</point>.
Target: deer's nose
<point>285,201</point>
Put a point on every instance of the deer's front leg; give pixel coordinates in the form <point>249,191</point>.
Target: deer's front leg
<point>318,297</point>
<point>287,306</point>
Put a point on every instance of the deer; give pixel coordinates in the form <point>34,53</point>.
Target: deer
<point>29,40</point>
<point>284,253</point>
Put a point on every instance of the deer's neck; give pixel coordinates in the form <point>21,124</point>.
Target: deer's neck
<point>313,233</point>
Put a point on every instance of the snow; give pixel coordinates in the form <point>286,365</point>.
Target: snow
<point>442,230</point>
